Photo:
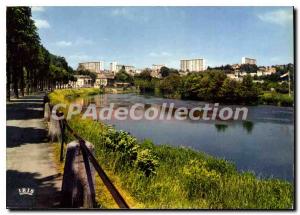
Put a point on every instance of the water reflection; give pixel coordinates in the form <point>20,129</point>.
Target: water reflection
<point>221,127</point>
<point>248,125</point>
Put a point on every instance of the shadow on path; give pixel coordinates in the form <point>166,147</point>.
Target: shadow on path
<point>16,136</point>
<point>39,199</point>
<point>29,157</point>
<point>24,110</point>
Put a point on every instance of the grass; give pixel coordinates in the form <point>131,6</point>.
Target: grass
<point>274,98</point>
<point>121,90</point>
<point>66,95</point>
<point>150,176</point>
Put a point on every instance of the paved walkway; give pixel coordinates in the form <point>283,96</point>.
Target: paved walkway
<point>29,158</point>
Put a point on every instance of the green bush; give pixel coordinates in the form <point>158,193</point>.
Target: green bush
<point>146,162</point>
<point>130,150</point>
<point>275,98</point>
<point>200,182</point>
<point>221,166</point>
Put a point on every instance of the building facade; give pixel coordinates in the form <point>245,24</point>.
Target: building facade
<point>128,68</point>
<point>104,80</point>
<point>192,65</point>
<point>113,67</point>
<point>247,60</point>
<point>82,81</point>
<point>96,67</point>
<point>157,67</point>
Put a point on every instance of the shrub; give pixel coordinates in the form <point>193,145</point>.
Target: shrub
<point>146,162</point>
<point>131,152</point>
<point>200,181</point>
<point>221,166</point>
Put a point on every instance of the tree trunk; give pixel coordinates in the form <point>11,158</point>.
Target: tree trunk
<point>15,81</point>
<point>22,84</point>
<point>8,81</point>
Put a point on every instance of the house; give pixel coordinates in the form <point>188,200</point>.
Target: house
<point>104,79</point>
<point>234,76</point>
<point>81,81</point>
<point>270,70</point>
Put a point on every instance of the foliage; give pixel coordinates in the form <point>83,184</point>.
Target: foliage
<point>234,190</point>
<point>274,98</point>
<point>227,68</point>
<point>211,85</point>
<point>165,71</point>
<point>249,68</point>
<point>215,86</point>
<point>87,72</point>
<point>145,75</point>
<point>131,151</point>
<point>170,85</point>
<point>29,65</point>
<point>123,76</point>
<point>145,82</point>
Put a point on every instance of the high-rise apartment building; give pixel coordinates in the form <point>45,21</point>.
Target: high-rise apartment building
<point>192,65</point>
<point>247,60</point>
<point>113,66</point>
<point>96,67</point>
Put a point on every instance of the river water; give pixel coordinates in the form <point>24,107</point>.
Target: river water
<point>264,144</point>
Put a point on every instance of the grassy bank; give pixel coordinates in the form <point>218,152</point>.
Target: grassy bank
<point>121,90</point>
<point>65,95</point>
<point>151,176</point>
<point>274,98</point>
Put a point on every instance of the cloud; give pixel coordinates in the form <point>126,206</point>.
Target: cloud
<point>280,17</point>
<point>160,54</point>
<point>41,23</point>
<point>77,42</point>
<point>38,9</point>
<point>63,43</point>
<point>129,14</point>
<point>78,57</point>
<point>83,41</point>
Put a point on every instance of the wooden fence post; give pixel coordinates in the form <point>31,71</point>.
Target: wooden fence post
<point>62,131</point>
<point>78,179</point>
<point>54,131</point>
<point>47,112</point>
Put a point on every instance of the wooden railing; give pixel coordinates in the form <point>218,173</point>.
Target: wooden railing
<point>87,159</point>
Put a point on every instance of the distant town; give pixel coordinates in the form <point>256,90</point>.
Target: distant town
<point>106,77</point>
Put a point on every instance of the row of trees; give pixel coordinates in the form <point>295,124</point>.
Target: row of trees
<point>211,85</point>
<point>249,68</point>
<point>29,65</point>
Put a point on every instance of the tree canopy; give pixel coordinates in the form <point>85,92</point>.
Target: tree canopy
<point>30,65</point>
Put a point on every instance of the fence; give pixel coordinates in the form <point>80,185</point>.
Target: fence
<point>78,186</point>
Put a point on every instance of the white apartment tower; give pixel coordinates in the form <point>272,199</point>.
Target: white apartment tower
<point>192,65</point>
<point>247,60</point>
<point>92,66</point>
<point>113,66</point>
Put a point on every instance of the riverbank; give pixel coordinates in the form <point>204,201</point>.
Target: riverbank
<point>173,177</point>
<point>278,99</point>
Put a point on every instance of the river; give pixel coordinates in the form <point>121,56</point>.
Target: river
<point>264,144</point>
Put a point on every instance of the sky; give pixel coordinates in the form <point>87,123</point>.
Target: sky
<point>142,36</point>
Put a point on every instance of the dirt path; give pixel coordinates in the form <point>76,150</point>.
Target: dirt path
<point>29,158</point>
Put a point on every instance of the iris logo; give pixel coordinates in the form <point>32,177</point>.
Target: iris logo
<point>26,191</point>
